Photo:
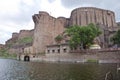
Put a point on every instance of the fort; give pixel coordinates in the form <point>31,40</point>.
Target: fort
<point>48,27</point>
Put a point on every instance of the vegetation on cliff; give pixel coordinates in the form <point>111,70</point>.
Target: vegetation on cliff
<point>5,54</point>
<point>82,36</point>
<point>116,38</point>
<point>25,40</point>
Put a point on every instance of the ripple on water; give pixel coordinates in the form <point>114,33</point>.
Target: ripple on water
<point>18,70</point>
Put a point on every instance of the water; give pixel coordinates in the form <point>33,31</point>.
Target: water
<point>19,70</point>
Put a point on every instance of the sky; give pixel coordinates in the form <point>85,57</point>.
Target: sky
<point>16,15</point>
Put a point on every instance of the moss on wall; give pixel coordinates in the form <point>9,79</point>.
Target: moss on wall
<point>25,40</point>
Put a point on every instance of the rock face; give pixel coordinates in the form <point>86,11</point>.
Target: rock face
<point>48,27</point>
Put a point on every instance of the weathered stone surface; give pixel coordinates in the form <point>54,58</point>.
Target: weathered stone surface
<point>20,35</point>
<point>46,29</point>
<point>2,46</point>
<point>86,15</point>
<point>13,44</point>
<point>25,33</point>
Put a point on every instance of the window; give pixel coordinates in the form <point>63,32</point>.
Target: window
<point>48,51</point>
<point>53,51</point>
<point>34,56</point>
<point>58,50</point>
<point>65,50</point>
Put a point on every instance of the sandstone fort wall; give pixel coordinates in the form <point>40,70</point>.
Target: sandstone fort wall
<point>48,27</point>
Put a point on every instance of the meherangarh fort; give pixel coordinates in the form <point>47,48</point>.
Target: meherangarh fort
<point>41,40</point>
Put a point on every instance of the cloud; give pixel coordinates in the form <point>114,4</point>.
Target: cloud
<point>50,1</point>
<point>18,12</point>
<point>16,15</point>
<point>55,9</point>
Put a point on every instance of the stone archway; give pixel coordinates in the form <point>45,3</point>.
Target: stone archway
<point>26,58</point>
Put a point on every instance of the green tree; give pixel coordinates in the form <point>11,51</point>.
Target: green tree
<point>59,38</point>
<point>82,36</point>
<point>116,38</point>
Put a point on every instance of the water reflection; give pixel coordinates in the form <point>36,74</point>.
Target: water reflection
<point>18,70</point>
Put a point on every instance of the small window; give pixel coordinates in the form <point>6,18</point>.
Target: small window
<point>75,48</point>
<point>65,50</point>
<point>34,56</point>
<point>48,51</point>
<point>58,50</point>
<point>53,51</point>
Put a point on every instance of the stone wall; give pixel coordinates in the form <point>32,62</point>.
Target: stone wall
<point>13,43</point>
<point>16,36</point>
<point>28,50</point>
<point>102,56</point>
<point>2,46</point>
<point>86,15</point>
<point>99,56</point>
<point>13,39</point>
<point>46,29</point>
<point>25,33</point>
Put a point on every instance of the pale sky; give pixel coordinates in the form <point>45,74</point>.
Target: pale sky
<point>16,15</point>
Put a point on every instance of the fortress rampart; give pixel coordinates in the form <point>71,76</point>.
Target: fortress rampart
<point>48,27</point>
<point>86,15</point>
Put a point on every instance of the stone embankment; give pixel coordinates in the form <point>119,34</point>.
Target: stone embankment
<point>99,56</point>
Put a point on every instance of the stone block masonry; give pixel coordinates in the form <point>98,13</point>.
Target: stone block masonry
<point>86,15</point>
<point>48,27</point>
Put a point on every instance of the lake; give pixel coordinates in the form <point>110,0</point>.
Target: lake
<point>19,70</point>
